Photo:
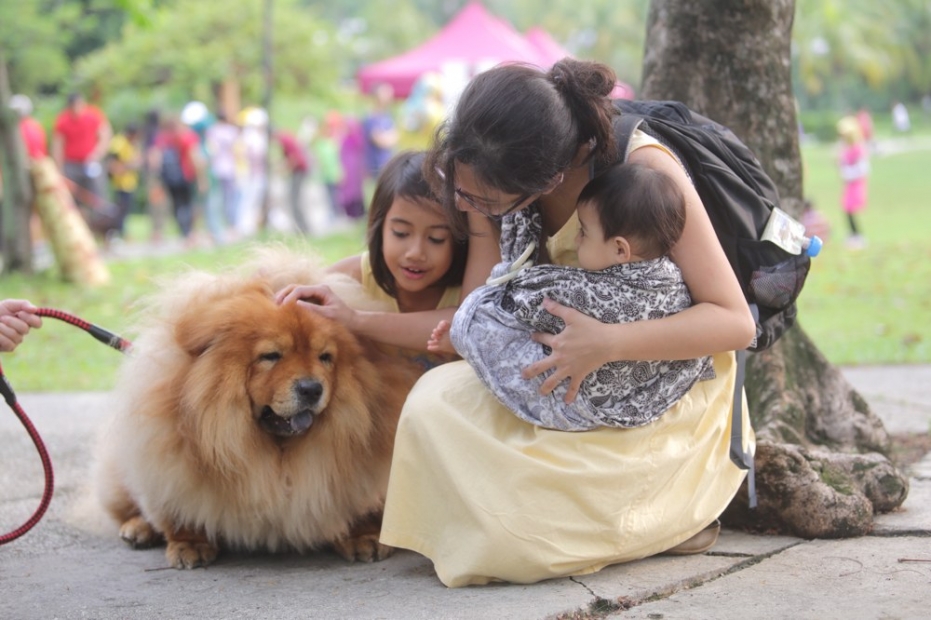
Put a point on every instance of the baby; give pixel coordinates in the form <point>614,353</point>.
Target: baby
<point>630,218</point>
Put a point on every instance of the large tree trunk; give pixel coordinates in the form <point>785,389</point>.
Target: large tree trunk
<point>821,462</point>
<point>17,190</point>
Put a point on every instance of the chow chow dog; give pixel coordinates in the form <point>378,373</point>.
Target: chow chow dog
<point>240,423</point>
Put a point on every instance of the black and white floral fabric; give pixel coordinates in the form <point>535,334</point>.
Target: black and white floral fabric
<point>491,330</point>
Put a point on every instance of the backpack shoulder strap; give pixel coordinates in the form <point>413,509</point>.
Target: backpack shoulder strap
<point>739,456</point>
<point>628,124</point>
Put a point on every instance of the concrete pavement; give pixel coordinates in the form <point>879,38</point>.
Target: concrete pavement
<point>72,565</point>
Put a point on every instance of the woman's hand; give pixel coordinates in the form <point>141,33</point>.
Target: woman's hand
<point>576,350</point>
<point>318,298</point>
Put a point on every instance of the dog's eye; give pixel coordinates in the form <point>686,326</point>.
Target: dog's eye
<point>326,358</point>
<point>272,356</point>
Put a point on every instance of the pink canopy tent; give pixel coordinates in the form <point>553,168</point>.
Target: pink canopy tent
<point>474,37</point>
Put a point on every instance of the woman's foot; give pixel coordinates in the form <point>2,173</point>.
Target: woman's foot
<point>699,543</point>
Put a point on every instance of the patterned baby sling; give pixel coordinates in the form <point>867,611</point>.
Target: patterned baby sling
<point>491,330</point>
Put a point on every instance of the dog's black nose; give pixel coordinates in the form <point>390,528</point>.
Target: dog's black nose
<point>308,390</point>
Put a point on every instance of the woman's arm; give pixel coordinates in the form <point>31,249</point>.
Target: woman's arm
<point>484,252</point>
<point>719,319</point>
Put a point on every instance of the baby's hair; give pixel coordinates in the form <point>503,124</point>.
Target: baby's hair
<point>402,177</point>
<point>639,203</point>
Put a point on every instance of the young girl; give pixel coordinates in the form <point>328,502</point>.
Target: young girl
<point>631,216</point>
<point>854,167</point>
<point>413,260</point>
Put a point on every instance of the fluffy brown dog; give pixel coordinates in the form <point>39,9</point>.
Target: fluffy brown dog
<point>244,424</point>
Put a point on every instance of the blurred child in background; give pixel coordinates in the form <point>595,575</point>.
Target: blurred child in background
<point>124,161</point>
<point>854,165</point>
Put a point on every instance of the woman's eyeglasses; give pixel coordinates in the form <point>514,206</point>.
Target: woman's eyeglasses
<point>484,210</point>
<point>473,202</point>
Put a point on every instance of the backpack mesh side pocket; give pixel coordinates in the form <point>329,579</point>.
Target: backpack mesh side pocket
<point>779,285</point>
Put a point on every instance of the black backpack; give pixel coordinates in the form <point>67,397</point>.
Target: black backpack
<point>739,198</point>
<point>172,173</point>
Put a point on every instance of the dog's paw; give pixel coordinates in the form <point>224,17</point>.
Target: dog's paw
<point>190,554</point>
<point>139,533</point>
<point>362,548</point>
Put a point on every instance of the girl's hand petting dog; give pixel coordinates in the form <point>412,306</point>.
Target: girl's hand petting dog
<point>318,298</point>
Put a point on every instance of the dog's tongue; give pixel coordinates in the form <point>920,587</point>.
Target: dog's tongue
<point>301,422</point>
<point>286,427</point>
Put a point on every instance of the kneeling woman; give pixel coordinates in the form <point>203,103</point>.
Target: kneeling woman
<point>487,496</point>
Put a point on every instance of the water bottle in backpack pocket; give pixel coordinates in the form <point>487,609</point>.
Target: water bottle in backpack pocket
<point>775,287</point>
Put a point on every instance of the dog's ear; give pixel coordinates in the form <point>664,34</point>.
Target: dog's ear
<point>202,325</point>
<point>197,329</point>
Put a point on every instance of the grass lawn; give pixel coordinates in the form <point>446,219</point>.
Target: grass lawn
<point>871,306</point>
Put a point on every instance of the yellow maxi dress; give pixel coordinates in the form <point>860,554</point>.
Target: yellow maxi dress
<point>489,497</point>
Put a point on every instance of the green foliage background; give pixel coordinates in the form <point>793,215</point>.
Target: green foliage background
<point>136,54</point>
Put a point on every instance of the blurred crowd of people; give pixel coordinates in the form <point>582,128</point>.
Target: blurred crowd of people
<point>206,173</point>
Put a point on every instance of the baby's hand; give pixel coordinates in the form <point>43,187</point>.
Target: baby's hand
<point>439,341</point>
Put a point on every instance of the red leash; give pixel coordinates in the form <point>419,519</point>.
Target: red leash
<point>108,338</point>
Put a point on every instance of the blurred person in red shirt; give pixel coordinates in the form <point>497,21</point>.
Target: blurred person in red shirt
<point>80,141</point>
<point>298,166</point>
<point>30,129</point>
<point>176,157</point>
<point>34,139</point>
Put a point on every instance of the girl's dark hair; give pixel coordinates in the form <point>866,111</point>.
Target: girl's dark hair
<point>638,202</point>
<point>402,177</point>
<point>518,126</point>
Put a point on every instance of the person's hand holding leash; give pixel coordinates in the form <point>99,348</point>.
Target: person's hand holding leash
<point>17,317</point>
